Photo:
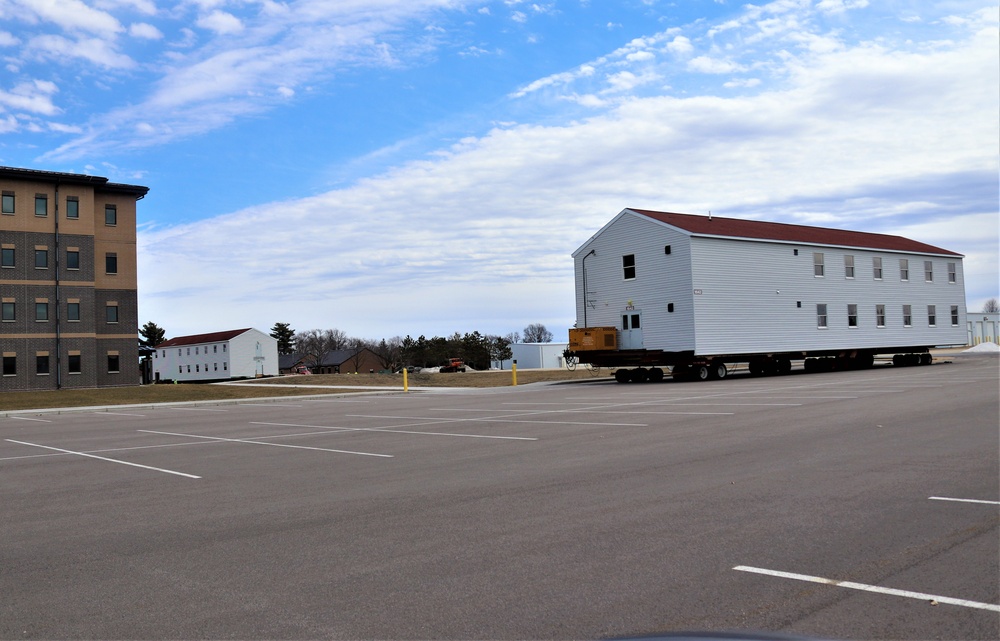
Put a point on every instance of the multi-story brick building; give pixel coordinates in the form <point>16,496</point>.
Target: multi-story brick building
<point>67,281</point>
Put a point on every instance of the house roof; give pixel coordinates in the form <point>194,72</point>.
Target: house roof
<point>198,339</point>
<point>782,232</point>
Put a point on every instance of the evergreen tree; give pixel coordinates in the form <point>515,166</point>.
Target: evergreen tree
<point>151,334</point>
<point>285,335</point>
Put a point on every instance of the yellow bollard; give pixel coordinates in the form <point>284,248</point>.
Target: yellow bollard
<point>406,384</point>
<point>513,373</point>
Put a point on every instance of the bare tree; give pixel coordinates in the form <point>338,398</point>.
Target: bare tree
<point>357,347</point>
<point>388,352</point>
<point>536,333</point>
<point>992,306</point>
<point>313,344</point>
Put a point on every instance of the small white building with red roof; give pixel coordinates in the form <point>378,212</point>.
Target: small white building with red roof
<point>235,353</point>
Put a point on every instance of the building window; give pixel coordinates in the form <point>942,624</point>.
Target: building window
<point>72,259</point>
<point>74,364</point>
<point>41,258</point>
<point>817,263</point>
<point>195,351</point>
<point>41,311</point>
<point>8,202</point>
<point>9,365</point>
<point>223,349</point>
<point>907,316</point>
<point>877,268</point>
<point>9,313</point>
<point>111,263</point>
<point>73,312</point>
<point>952,273</point>
<point>880,315</point>
<point>628,266</point>
<point>848,266</point>
<point>72,207</point>
<point>929,271</point>
<point>954,315</point>
<point>904,269</point>
<point>42,364</point>
<point>932,315</point>
<point>197,368</point>
<point>113,363</point>
<point>111,313</point>
<point>41,205</point>
<point>821,316</point>
<point>110,215</point>
<point>852,315</point>
<point>7,257</point>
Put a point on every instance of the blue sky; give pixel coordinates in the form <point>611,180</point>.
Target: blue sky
<point>392,167</point>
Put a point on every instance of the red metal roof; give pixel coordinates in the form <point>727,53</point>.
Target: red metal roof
<point>758,230</point>
<point>198,339</point>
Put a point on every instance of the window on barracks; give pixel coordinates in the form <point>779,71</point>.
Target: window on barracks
<point>8,202</point>
<point>41,205</point>
<point>628,266</point>
<point>72,207</point>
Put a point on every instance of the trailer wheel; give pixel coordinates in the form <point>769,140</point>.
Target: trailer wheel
<point>926,359</point>
<point>717,370</point>
<point>783,366</point>
<point>702,373</point>
<point>623,376</point>
<point>640,375</point>
<point>655,375</point>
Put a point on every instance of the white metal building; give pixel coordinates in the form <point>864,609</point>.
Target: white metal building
<point>536,356</point>
<point>984,327</point>
<point>679,282</point>
<point>237,353</point>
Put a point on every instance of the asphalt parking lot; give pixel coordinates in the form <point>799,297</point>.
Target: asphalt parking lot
<point>845,505</point>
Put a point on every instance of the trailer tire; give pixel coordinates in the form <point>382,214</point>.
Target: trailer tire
<point>926,359</point>
<point>640,375</point>
<point>623,376</point>
<point>655,375</point>
<point>782,366</point>
<point>717,370</point>
<point>702,373</point>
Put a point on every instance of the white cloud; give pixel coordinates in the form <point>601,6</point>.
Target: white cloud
<point>519,16</point>
<point>145,31</point>
<point>680,44</point>
<point>8,40</point>
<point>95,50</point>
<point>221,22</point>
<point>71,15</point>
<point>286,92</point>
<point>706,64</point>
<point>33,97</point>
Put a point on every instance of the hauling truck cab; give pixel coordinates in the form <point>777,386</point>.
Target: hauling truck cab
<point>698,294</point>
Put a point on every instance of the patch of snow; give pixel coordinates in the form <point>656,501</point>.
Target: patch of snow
<point>983,348</point>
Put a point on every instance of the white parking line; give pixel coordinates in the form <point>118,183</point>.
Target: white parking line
<point>944,498</point>
<point>252,442</point>
<point>119,414</point>
<point>872,588</point>
<point>381,429</point>
<point>589,410</point>
<point>102,458</point>
<point>194,409</point>
<point>25,418</point>
<point>494,420</point>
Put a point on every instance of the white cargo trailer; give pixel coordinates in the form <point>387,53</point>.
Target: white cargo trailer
<point>701,293</point>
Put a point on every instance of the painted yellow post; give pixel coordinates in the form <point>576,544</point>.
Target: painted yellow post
<point>513,373</point>
<point>406,385</point>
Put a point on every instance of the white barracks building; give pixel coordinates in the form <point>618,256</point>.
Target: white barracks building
<point>237,353</point>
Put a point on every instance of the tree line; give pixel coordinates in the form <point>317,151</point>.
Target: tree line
<point>478,351</point>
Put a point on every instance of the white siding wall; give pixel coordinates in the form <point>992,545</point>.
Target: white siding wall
<point>244,349</point>
<point>750,292</point>
<point>204,362</point>
<point>661,279</point>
